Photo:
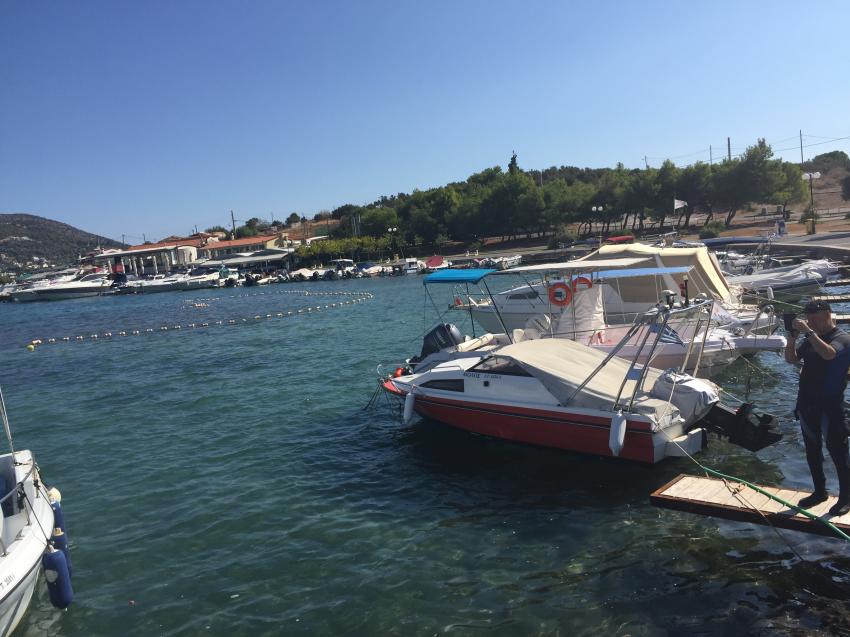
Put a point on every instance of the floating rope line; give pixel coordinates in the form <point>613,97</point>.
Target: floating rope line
<point>273,292</point>
<point>358,297</point>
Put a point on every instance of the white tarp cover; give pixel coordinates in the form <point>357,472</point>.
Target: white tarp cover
<point>690,395</point>
<point>584,316</point>
<point>705,275</point>
<point>562,365</point>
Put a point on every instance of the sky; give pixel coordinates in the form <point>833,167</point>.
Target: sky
<point>146,119</point>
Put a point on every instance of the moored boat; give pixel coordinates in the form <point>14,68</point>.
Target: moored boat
<point>32,534</point>
<point>563,394</point>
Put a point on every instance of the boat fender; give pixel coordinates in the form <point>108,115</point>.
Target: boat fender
<point>560,294</point>
<point>58,578</point>
<point>408,407</point>
<point>55,498</point>
<point>60,541</point>
<point>618,433</point>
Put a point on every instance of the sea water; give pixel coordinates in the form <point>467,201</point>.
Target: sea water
<point>226,480</point>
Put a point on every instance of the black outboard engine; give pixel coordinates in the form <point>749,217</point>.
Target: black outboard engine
<point>743,426</point>
<point>442,336</point>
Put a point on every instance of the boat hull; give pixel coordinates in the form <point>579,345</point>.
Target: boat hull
<point>561,429</point>
<point>14,604</point>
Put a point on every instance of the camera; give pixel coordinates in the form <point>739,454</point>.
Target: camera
<point>788,319</point>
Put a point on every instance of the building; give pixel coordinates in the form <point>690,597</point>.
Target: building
<point>221,249</point>
<point>151,258</point>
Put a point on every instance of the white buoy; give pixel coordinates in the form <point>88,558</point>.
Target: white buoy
<point>408,407</point>
<point>618,433</point>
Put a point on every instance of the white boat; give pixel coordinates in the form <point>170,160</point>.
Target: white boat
<point>83,285</point>
<point>574,307</point>
<point>563,394</point>
<point>195,280</point>
<point>624,300</point>
<point>787,283</point>
<point>27,536</point>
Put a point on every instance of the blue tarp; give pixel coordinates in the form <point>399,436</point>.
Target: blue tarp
<point>624,274</point>
<point>458,276</point>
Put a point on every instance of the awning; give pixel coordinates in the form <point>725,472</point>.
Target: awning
<point>580,265</point>
<point>633,272</point>
<point>458,276</point>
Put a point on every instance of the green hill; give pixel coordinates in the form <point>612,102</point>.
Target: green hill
<point>28,239</point>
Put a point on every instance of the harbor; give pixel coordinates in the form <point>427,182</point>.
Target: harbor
<point>272,396</point>
<point>323,319</point>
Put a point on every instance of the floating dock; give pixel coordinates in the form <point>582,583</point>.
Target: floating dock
<point>835,282</point>
<point>832,298</point>
<point>735,501</point>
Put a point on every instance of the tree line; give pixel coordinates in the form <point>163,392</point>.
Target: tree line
<point>495,202</point>
<point>508,203</point>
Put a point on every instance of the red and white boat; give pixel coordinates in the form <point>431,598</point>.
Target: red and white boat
<point>561,393</point>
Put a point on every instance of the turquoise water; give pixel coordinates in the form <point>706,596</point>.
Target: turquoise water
<point>226,480</point>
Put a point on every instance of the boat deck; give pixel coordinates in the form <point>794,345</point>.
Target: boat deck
<point>735,501</point>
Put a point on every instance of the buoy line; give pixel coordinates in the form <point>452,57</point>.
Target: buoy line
<point>270,293</point>
<point>81,338</point>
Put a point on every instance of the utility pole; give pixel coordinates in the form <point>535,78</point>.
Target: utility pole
<point>144,238</point>
<point>729,148</point>
<point>233,222</point>
<point>710,156</point>
<point>801,148</point>
<point>645,163</point>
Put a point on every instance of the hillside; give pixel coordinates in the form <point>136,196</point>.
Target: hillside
<point>25,239</point>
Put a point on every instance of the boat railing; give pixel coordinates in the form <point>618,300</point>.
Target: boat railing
<point>657,320</point>
<point>15,491</point>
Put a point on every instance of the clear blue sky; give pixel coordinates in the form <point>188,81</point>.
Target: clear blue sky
<point>152,117</point>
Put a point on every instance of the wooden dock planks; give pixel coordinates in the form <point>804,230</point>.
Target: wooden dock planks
<point>735,501</point>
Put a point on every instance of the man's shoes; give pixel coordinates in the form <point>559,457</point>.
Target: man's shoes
<point>811,500</point>
<point>841,507</point>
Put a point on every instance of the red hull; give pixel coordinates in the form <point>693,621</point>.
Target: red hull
<point>570,431</point>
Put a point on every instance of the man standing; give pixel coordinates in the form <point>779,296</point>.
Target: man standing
<point>825,354</point>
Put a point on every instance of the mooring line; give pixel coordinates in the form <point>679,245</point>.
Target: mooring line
<point>358,298</point>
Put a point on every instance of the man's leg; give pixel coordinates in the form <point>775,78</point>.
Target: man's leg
<point>839,451</point>
<point>813,439</point>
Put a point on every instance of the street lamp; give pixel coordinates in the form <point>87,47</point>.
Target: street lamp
<point>811,177</point>
<point>598,209</point>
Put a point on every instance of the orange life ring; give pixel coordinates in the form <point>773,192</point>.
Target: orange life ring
<point>584,280</point>
<point>560,294</point>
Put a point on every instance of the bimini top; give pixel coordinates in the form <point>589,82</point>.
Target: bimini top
<point>458,276</point>
<point>634,272</point>
<point>580,265</point>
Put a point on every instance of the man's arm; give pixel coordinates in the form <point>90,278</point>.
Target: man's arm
<point>791,348</point>
<point>824,349</point>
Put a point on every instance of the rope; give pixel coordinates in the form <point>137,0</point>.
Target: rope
<point>360,297</point>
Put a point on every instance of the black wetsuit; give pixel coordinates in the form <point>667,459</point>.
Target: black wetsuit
<point>820,407</point>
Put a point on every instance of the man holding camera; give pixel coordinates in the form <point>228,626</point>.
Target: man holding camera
<point>825,354</point>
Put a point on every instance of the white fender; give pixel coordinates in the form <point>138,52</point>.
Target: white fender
<point>618,433</point>
<point>408,407</point>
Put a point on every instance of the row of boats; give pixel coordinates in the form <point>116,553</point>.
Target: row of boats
<point>610,354</point>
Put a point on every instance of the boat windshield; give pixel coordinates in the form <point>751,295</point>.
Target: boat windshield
<point>499,365</point>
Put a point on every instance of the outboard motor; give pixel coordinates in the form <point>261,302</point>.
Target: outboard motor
<point>743,426</point>
<point>442,336</point>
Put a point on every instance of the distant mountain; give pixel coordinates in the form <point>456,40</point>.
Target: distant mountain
<point>26,240</point>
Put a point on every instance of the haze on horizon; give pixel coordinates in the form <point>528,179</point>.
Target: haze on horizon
<point>154,118</point>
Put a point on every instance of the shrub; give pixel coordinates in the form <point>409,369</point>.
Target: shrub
<point>809,214</point>
<point>711,230</point>
<point>564,236</point>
